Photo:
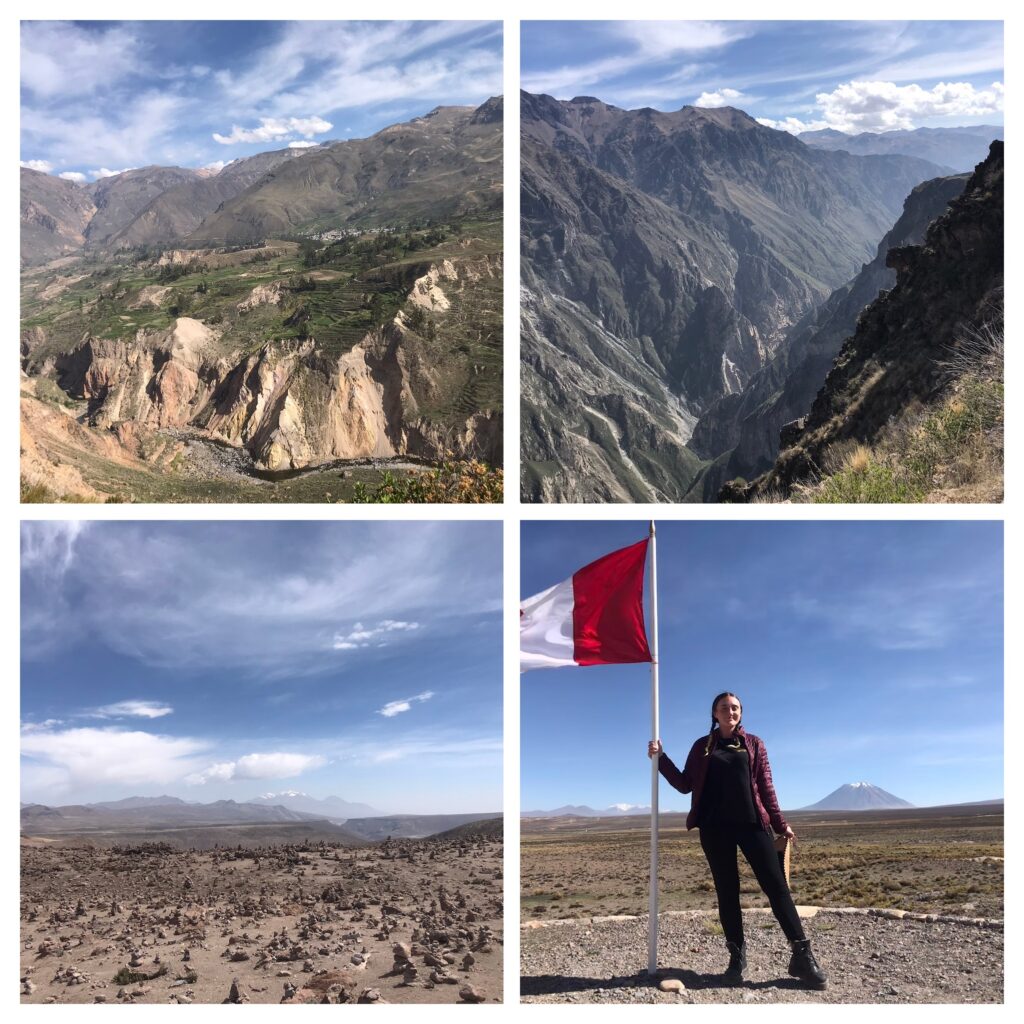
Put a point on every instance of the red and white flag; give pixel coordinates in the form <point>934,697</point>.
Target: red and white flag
<point>594,618</point>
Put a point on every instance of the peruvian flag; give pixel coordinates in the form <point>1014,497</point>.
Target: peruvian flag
<point>594,618</point>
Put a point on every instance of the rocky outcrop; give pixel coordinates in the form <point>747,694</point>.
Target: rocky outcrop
<point>261,295</point>
<point>905,340</point>
<point>287,403</point>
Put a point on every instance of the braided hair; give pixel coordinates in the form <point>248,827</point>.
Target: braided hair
<point>714,724</point>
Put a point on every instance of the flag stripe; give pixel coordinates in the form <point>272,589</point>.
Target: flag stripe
<point>608,609</point>
<point>545,629</point>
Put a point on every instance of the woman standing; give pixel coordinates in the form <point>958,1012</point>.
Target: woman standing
<point>735,806</point>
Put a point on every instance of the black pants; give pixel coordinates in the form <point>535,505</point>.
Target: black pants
<point>719,844</point>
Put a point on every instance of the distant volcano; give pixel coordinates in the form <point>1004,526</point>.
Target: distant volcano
<point>858,796</point>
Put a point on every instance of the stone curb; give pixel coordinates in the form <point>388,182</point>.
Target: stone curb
<point>804,912</point>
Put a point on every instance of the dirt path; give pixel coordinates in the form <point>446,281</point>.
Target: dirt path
<point>869,958</point>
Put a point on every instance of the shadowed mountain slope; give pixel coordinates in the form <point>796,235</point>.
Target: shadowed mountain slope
<point>907,339</point>
<point>54,216</point>
<point>120,198</point>
<point>741,431</point>
<point>176,212</point>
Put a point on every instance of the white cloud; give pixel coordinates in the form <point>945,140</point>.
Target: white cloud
<point>133,709</point>
<point>217,165</point>
<point>38,165</point>
<point>274,129</point>
<point>62,59</point>
<point>302,145</point>
<point>83,758</point>
<point>718,98</point>
<point>277,765</point>
<point>48,547</point>
<point>106,172</point>
<point>121,133</point>
<point>360,635</point>
<point>884,106</point>
<point>793,125</point>
<point>76,176</point>
<point>396,707</point>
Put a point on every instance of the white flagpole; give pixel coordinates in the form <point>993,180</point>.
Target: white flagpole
<point>652,931</point>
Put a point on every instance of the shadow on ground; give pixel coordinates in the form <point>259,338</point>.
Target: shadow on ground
<point>554,984</point>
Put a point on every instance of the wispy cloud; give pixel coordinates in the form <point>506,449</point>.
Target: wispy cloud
<point>464,750</point>
<point>189,596</point>
<point>62,59</point>
<point>48,547</point>
<point>132,709</point>
<point>397,707</point>
<point>367,636</point>
<point>892,618</point>
<point>643,43</point>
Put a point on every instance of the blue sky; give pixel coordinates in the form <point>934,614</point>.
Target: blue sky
<point>100,97</point>
<point>861,651</point>
<point>793,75</point>
<point>224,660</point>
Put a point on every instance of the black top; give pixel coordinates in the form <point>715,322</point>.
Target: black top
<point>727,798</point>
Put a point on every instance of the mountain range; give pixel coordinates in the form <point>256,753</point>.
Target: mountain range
<point>140,815</point>
<point>688,278</point>
<point>330,807</point>
<point>960,148</point>
<point>583,811</point>
<point>444,164</point>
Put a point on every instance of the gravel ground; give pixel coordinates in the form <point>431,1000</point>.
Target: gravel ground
<point>869,958</point>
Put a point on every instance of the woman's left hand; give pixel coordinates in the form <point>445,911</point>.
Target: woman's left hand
<point>790,834</point>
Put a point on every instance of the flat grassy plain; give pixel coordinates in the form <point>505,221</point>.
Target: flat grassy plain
<point>926,860</point>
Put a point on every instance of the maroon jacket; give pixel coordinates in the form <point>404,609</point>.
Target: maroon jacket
<point>692,777</point>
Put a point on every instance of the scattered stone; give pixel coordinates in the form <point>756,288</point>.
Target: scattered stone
<point>468,994</point>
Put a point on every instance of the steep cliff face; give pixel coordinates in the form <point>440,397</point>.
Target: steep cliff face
<point>745,428</point>
<point>287,404</point>
<point>409,386</point>
<point>904,341</point>
<point>665,256</point>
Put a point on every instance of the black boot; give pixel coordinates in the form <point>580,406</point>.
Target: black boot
<point>802,965</point>
<point>737,963</point>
